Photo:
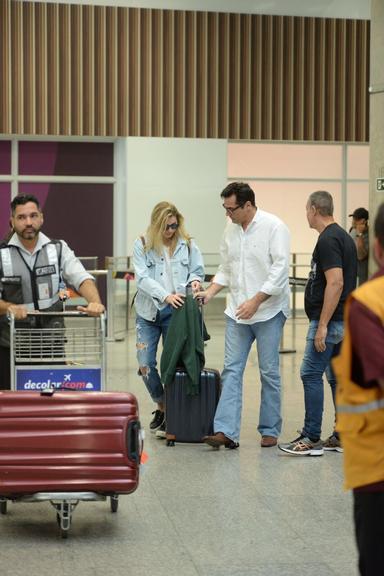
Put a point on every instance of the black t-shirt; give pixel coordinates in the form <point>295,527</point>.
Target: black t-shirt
<point>334,249</point>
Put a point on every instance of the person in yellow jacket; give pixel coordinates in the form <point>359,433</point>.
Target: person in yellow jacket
<point>360,409</point>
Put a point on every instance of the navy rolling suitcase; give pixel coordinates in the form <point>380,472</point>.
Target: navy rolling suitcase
<point>189,418</point>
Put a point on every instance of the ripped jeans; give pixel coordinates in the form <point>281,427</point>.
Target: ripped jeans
<point>147,340</point>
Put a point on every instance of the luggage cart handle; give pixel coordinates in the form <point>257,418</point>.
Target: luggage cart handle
<point>65,314</point>
<point>33,313</point>
<point>58,313</point>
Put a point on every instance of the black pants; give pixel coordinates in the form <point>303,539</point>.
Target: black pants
<point>5,368</point>
<point>369,529</point>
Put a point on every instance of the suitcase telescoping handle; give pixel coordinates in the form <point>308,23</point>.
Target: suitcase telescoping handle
<point>201,308</point>
<point>203,327</point>
<point>134,441</point>
<point>189,292</point>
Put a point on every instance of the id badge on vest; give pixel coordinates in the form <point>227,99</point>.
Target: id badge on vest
<point>43,291</point>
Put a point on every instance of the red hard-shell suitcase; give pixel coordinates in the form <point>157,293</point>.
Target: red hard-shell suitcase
<point>68,441</point>
<point>189,418</point>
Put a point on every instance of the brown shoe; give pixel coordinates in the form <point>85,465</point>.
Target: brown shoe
<point>268,441</point>
<point>220,439</point>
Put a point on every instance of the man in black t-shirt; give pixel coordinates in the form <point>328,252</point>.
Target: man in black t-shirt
<point>332,278</point>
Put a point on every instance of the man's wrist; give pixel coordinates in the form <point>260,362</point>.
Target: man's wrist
<point>260,297</point>
<point>209,293</point>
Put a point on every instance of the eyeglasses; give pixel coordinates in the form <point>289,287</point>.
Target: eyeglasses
<point>232,210</point>
<point>173,226</point>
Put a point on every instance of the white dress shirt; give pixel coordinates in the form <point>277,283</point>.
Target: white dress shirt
<point>256,260</point>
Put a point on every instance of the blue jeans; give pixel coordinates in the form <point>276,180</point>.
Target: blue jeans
<point>238,341</point>
<point>313,366</point>
<point>147,340</point>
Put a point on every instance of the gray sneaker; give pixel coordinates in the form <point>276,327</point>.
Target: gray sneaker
<point>333,443</point>
<point>303,446</point>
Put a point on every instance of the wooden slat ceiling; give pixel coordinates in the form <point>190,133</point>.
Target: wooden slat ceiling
<point>107,71</point>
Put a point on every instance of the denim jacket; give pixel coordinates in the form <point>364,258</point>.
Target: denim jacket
<point>187,265</point>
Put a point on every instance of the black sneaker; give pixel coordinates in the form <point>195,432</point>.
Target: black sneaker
<point>157,420</point>
<point>333,443</point>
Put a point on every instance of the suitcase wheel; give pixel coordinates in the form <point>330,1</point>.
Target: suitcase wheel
<point>3,506</point>
<point>170,442</point>
<point>114,503</point>
<point>232,445</point>
<point>64,517</point>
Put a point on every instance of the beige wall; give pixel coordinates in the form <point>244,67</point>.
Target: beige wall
<point>192,172</point>
<point>188,172</point>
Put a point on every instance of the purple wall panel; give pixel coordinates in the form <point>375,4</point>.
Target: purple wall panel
<point>39,190</point>
<point>66,158</point>
<point>81,214</point>
<point>5,199</point>
<point>5,157</point>
<point>37,158</point>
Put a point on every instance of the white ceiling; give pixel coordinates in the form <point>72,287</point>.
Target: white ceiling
<point>359,9</point>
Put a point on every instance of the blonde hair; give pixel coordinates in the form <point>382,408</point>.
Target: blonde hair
<point>159,217</point>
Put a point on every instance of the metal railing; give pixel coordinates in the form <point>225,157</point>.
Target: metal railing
<point>89,262</point>
<point>299,269</point>
<point>118,278</point>
<point>120,275</point>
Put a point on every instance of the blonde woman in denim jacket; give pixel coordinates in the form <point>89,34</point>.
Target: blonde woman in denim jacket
<point>166,260</point>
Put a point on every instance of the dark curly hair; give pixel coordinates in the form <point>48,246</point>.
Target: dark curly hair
<point>242,191</point>
<point>23,199</point>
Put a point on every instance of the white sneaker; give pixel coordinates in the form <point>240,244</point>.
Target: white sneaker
<point>161,432</point>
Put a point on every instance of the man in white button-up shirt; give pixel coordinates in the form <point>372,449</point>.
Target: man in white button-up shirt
<point>255,252</point>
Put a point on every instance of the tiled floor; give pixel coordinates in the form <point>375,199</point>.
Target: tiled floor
<point>200,512</point>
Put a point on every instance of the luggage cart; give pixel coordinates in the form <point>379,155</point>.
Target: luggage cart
<point>64,503</point>
<point>59,350</point>
<point>65,351</point>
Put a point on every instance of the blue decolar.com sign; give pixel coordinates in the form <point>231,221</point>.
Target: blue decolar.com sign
<point>88,379</point>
